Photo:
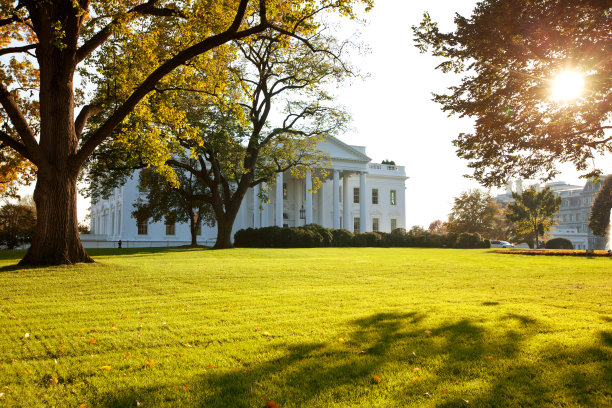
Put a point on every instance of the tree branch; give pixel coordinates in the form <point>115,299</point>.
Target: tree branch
<point>21,126</point>
<point>14,144</point>
<point>104,34</point>
<point>12,50</point>
<point>149,83</point>
<point>84,115</point>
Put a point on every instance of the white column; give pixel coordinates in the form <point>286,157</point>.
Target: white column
<point>279,200</point>
<point>255,207</point>
<point>346,202</point>
<point>264,215</point>
<point>363,217</point>
<point>308,198</point>
<point>336,196</point>
<point>321,219</point>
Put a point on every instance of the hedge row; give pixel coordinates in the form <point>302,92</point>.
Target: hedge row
<point>316,236</point>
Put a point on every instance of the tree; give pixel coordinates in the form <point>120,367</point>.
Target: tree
<point>17,223</point>
<point>437,227</point>
<point>165,200</point>
<point>49,41</point>
<point>475,211</point>
<point>510,53</point>
<point>533,211</point>
<point>240,138</point>
<point>599,220</point>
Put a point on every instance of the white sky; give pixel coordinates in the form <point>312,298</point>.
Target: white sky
<point>393,115</point>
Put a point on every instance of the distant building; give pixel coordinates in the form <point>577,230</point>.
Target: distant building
<point>573,217</point>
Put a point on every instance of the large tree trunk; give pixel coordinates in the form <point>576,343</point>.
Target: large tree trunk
<point>56,240</point>
<point>193,227</point>
<point>224,231</point>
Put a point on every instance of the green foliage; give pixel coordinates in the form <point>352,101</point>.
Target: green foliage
<point>316,236</point>
<point>476,212</point>
<point>533,211</point>
<point>599,220</point>
<point>17,223</point>
<point>509,53</point>
<point>224,328</point>
<point>559,243</point>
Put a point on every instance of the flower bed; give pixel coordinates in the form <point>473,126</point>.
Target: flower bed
<point>555,252</point>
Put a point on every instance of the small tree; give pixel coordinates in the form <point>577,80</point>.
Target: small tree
<point>17,223</point>
<point>181,202</point>
<point>533,211</point>
<point>475,211</point>
<point>437,227</point>
<point>599,220</point>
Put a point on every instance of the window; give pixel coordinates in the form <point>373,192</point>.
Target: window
<point>374,196</point>
<point>393,224</point>
<point>375,224</point>
<point>284,190</point>
<point>170,230</point>
<point>356,224</point>
<point>393,197</point>
<point>356,195</point>
<point>143,226</point>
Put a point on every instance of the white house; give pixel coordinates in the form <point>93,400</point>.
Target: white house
<point>358,195</point>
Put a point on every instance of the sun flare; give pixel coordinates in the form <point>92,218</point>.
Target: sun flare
<point>567,85</point>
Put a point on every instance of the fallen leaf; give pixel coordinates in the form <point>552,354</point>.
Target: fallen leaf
<point>416,379</point>
<point>211,366</point>
<point>266,333</point>
<point>427,394</point>
<point>589,387</point>
<point>181,354</point>
<point>29,372</point>
<point>376,379</point>
<point>93,341</point>
<point>532,319</point>
<point>53,380</point>
<point>445,390</point>
<point>187,345</point>
<point>416,370</point>
<point>340,340</point>
<point>149,363</point>
<point>490,357</point>
<point>428,332</point>
<point>127,355</point>
<point>105,368</point>
<point>271,404</point>
<point>83,406</point>
<point>361,352</point>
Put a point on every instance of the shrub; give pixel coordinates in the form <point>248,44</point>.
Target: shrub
<point>341,238</point>
<point>559,243</point>
<point>367,239</point>
<point>316,236</point>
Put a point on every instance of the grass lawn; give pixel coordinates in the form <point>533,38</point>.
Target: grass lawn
<point>307,328</point>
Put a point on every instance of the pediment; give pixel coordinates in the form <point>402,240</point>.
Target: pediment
<point>338,150</point>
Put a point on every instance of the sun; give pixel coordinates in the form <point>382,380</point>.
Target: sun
<point>567,85</point>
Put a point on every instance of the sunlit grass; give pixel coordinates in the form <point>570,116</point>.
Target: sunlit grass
<point>308,328</point>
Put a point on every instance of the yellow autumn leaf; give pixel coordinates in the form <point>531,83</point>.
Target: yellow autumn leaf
<point>149,363</point>
<point>340,340</point>
<point>105,368</point>
<point>376,379</point>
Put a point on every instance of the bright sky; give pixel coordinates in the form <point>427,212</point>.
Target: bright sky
<point>393,115</point>
<point>395,118</point>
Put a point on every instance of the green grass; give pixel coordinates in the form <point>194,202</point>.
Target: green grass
<point>242,327</point>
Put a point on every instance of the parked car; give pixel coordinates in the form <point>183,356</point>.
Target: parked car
<point>501,244</point>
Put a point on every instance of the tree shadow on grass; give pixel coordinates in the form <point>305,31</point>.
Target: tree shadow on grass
<point>442,366</point>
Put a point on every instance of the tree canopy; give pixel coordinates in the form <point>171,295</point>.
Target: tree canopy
<point>130,48</point>
<point>475,211</point>
<point>533,211</point>
<point>599,220</point>
<point>510,53</point>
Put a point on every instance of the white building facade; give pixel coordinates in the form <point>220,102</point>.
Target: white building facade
<point>357,195</point>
